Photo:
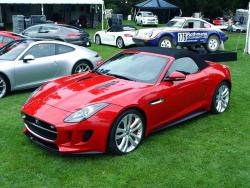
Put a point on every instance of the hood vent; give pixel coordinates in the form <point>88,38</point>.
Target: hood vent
<point>107,84</point>
<point>85,78</point>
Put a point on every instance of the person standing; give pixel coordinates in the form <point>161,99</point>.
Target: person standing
<point>242,19</point>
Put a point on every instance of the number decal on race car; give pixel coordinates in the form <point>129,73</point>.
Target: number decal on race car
<point>182,37</point>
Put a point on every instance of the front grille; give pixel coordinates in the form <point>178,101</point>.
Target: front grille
<point>40,128</point>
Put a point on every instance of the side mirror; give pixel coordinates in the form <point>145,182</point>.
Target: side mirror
<point>175,76</point>
<point>28,58</point>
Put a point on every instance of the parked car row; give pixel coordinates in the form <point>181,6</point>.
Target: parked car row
<point>180,31</point>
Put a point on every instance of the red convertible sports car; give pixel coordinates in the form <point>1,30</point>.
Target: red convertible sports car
<point>135,93</point>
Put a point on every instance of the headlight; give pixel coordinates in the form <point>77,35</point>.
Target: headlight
<point>32,95</point>
<point>149,34</point>
<point>85,113</point>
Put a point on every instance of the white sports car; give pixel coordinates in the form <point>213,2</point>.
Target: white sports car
<point>117,35</point>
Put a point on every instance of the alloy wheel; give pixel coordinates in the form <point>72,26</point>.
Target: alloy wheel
<point>222,98</point>
<point>97,40</point>
<point>213,44</point>
<point>81,68</point>
<point>166,43</point>
<point>129,133</point>
<point>3,87</point>
<point>119,43</point>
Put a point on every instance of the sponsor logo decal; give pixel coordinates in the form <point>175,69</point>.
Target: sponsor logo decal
<point>191,36</point>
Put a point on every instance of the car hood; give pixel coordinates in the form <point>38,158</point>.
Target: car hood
<point>83,90</point>
<point>142,33</point>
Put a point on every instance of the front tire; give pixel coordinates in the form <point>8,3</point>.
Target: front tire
<point>221,98</point>
<point>120,43</point>
<point>166,42</point>
<point>81,67</point>
<point>127,132</point>
<point>4,86</point>
<point>213,43</point>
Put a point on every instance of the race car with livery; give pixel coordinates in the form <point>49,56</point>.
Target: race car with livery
<point>117,35</point>
<point>185,32</point>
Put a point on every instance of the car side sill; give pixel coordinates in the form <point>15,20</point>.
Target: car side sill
<point>179,121</point>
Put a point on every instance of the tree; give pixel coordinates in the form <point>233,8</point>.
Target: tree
<point>210,8</point>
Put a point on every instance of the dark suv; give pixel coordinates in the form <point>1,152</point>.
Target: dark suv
<point>60,32</point>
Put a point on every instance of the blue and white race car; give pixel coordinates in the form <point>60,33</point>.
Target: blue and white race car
<point>185,32</point>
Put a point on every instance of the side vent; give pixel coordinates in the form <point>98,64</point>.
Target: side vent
<point>85,78</point>
<point>107,84</point>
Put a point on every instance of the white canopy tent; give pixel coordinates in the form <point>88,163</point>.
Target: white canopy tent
<point>57,2</point>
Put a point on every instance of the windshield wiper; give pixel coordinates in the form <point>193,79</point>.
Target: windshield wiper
<point>120,76</point>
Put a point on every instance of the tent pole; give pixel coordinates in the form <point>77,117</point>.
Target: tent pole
<point>247,45</point>
<point>42,9</point>
<point>102,16</point>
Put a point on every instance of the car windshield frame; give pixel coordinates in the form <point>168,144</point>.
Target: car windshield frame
<point>176,21</point>
<point>103,71</point>
<point>12,55</point>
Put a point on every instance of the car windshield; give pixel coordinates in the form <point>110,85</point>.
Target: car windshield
<point>138,67</point>
<point>128,28</point>
<point>12,50</point>
<point>148,14</point>
<point>176,23</point>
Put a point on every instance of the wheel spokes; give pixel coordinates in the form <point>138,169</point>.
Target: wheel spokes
<point>129,133</point>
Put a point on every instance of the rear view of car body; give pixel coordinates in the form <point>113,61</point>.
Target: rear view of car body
<point>81,38</point>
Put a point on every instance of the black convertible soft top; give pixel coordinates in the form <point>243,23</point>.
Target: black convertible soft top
<point>175,53</point>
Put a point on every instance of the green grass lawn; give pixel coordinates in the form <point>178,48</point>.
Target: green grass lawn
<point>209,151</point>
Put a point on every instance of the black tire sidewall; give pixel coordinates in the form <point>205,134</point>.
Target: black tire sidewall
<point>213,105</point>
<point>112,147</point>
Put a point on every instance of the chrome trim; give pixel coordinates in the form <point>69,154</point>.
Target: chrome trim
<point>48,140</point>
<point>35,125</point>
<point>157,101</point>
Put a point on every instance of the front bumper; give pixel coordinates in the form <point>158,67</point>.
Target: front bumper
<point>89,136</point>
<point>150,22</point>
<point>140,42</point>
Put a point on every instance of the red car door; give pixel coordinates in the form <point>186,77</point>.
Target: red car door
<point>180,98</point>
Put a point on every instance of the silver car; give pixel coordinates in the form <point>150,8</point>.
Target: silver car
<point>28,63</point>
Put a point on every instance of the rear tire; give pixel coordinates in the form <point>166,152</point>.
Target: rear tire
<point>82,67</point>
<point>221,98</point>
<point>120,43</point>
<point>4,86</point>
<point>127,132</point>
<point>213,43</point>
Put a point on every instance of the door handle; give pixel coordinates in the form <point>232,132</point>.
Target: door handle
<point>157,101</point>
